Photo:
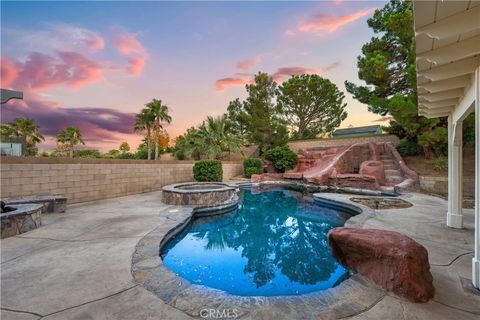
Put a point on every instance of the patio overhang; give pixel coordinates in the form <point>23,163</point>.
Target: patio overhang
<point>447,35</point>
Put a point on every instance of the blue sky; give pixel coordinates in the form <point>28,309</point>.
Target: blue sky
<point>82,61</point>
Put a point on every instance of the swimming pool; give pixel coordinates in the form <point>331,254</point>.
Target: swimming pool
<point>274,244</point>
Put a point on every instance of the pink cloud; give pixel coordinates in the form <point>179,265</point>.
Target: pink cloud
<point>95,43</point>
<point>56,37</point>
<point>78,70</point>
<point>9,72</point>
<point>74,38</point>
<point>278,76</point>
<point>329,23</point>
<point>290,33</point>
<point>128,46</point>
<point>61,63</point>
<point>221,84</point>
<point>248,63</point>
<point>283,73</point>
<point>135,65</point>
<point>41,71</point>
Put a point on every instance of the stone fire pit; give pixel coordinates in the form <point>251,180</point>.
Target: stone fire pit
<point>23,218</point>
<point>52,203</point>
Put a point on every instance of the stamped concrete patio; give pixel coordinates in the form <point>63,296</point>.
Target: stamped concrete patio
<point>78,265</point>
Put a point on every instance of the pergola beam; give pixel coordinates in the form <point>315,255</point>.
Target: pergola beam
<point>439,104</point>
<point>455,51</point>
<point>443,95</point>
<point>464,22</point>
<point>447,84</point>
<point>451,70</point>
<point>434,115</point>
<point>437,110</point>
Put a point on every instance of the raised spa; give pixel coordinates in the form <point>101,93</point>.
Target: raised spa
<point>198,193</point>
<point>274,244</point>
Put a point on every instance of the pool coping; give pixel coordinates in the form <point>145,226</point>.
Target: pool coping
<point>350,297</point>
<point>175,187</point>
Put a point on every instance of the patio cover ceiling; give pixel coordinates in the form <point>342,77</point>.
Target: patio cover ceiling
<point>447,35</point>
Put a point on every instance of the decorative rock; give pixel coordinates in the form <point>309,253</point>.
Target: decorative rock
<point>354,181</point>
<point>24,218</point>
<point>391,260</point>
<point>256,178</point>
<point>373,168</point>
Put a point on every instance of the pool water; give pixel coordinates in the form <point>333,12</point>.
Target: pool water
<point>274,244</point>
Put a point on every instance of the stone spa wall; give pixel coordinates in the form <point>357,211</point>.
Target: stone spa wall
<point>83,180</point>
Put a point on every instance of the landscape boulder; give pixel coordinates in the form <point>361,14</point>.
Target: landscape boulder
<point>389,259</point>
<point>373,168</point>
<point>256,178</point>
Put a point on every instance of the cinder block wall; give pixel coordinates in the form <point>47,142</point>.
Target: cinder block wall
<point>312,143</point>
<point>83,180</point>
<point>439,185</point>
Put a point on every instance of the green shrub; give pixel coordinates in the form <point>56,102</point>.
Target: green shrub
<point>208,170</point>
<point>252,166</point>
<point>247,172</point>
<point>441,163</point>
<point>87,153</point>
<point>436,140</point>
<point>142,153</point>
<point>408,148</point>
<point>126,155</point>
<point>282,158</point>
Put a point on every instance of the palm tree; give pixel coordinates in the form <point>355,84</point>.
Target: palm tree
<point>145,121</point>
<point>25,129</point>
<point>70,136</point>
<point>214,137</point>
<point>160,112</point>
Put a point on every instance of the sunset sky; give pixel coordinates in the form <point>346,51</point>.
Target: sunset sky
<point>94,65</point>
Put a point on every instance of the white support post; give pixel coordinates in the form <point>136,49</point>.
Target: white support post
<point>476,258</point>
<point>455,179</point>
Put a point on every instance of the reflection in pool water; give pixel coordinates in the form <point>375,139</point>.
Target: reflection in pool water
<point>274,244</point>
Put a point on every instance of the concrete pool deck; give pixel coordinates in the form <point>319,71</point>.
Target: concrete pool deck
<point>78,264</point>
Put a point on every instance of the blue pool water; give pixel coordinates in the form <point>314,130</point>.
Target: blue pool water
<point>274,244</point>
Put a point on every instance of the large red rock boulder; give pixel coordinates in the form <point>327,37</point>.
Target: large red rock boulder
<point>391,260</point>
<point>353,180</point>
<point>373,168</point>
